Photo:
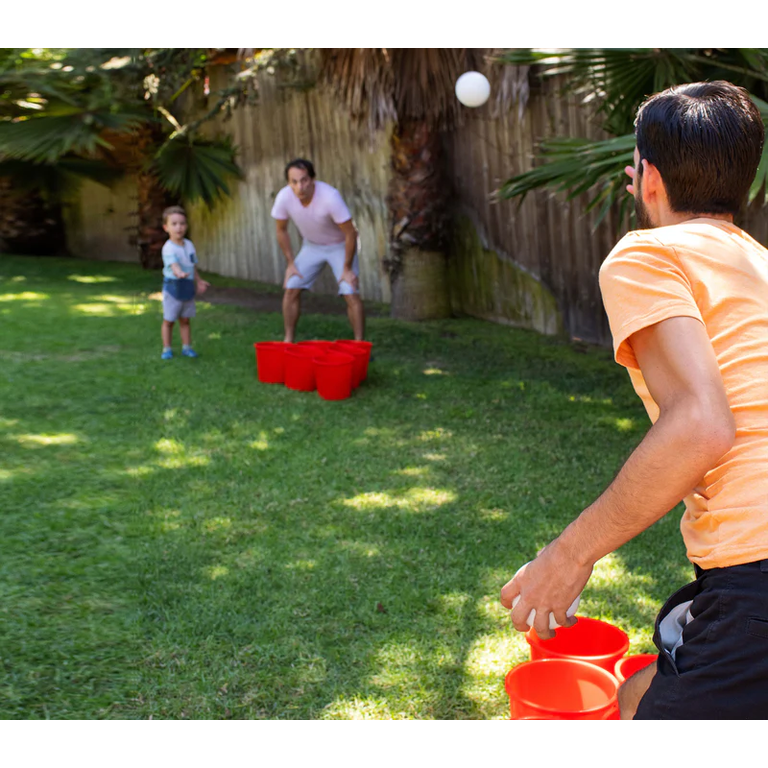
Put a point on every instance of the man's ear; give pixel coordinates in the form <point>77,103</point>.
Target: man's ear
<point>653,184</point>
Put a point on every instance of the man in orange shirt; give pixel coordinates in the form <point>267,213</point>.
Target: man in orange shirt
<point>687,300</point>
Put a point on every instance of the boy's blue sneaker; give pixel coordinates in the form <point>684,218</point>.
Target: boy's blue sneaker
<point>167,354</point>
<point>189,353</point>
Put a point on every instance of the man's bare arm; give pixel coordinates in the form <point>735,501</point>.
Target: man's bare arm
<point>350,248</point>
<point>694,429</point>
<point>284,241</point>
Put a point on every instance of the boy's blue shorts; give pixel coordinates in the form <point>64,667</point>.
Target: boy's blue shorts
<point>173,309</point>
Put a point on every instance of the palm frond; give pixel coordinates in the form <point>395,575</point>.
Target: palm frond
<point>47,138</point>
<point>759,188</point>
<point>574,166</point>
<point>615,81</point>
<point>196,169</point>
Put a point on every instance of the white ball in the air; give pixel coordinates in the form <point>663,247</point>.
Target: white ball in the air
<point>473,89</point>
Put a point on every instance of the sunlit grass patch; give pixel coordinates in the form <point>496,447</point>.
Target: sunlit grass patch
<point>112,309</point>
<point>34,440</point>
<point>92,279</point>
<point>24,296</point>
<point>357,708</point>
<point>414,499</point>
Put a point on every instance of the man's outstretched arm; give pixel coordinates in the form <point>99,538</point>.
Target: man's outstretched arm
<point>694,429</point>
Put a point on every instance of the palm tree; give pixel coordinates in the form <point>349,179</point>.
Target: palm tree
<point>411,89</point>
<point>613,82</point>
<point>69,114</point>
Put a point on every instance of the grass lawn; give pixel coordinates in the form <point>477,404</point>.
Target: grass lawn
<point>181,541</point>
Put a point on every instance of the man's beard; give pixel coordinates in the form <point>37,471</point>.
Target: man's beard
<point>641,212</point>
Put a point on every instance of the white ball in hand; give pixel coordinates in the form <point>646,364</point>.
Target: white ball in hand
<point>553,625</point>
<point>552,621</point>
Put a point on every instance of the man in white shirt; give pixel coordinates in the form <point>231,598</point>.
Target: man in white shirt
<point>328,237</point>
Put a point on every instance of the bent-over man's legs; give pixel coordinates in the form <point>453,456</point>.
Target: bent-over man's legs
<point>356,314</point>
<point>291,312</point>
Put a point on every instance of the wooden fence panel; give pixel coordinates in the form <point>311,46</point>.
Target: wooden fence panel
<point>548,237</point>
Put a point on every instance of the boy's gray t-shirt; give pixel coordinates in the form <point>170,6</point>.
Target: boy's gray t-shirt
<point>183,255</point>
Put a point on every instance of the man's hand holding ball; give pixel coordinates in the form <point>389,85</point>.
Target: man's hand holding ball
<point>532,590</point>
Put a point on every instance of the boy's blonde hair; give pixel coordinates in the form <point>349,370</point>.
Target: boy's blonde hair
<point>171,210</point>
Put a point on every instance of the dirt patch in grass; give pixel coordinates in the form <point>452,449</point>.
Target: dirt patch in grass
<point>311,303</point>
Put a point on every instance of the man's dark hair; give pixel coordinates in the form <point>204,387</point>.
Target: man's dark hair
<point>301,163</point>
<point>706,140</point>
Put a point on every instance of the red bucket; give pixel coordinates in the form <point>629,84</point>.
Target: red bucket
<point>591,640</point>
<point>333,375</point>
<point>561,689</point>
<point>627,666</point>
<point>300,368</point>
<point>359,357</point>
<point>365,345</point>
<point>270,361</point>
<point>320,346</point>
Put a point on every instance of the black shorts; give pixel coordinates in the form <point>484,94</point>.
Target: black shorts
<point>721,669</point>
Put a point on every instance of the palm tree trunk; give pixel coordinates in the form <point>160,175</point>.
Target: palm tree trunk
<point>152,198</point>
<point>152,201</point>
<point>418,207</point>
<point>28,224</point>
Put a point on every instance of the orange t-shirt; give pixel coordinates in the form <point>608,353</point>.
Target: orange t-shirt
<point>713,271</point>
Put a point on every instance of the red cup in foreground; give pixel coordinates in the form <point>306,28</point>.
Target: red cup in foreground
<point>539,718</point>
<point>561,689</point>
<point>590,640</point>
<point>627,666</point>
<point>270,361</point>
<point>300,368</point>
<point>333,375</point>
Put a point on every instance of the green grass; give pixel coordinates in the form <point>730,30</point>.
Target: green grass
<point>181,541</point>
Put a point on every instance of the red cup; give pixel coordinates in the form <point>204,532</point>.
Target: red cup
<point>590,640</point>
<point>270,361</point>
<point>539,718</point>
<point>365,345</point>
<point>359,357</point>
<point>320,346</point>
<point>627,666</point>
<point>561,689</point>
<point>333,375</point>
<point>300,368</point>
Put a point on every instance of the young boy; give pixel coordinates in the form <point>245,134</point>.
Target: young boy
<point>180,282</point>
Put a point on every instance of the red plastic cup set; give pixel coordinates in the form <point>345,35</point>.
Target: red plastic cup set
<point>575,675</point>
<point>333,368</point>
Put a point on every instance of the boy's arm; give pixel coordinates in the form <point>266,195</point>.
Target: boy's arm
<point>200,285</point>
<point>171,260</point>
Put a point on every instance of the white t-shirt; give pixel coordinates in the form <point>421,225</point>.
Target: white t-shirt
<point>318,222</point>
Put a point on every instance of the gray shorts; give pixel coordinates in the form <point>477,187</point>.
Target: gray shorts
<point>311,260</point>
<point>173,309</point>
